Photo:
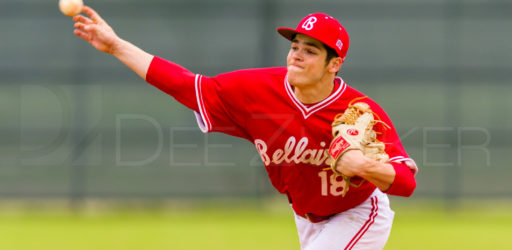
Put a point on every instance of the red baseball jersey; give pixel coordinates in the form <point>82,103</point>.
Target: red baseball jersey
<point>292,138</point>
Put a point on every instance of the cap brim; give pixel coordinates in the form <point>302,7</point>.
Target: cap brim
<point>286,32</point>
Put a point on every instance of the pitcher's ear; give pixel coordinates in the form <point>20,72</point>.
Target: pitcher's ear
<point>335,64</point>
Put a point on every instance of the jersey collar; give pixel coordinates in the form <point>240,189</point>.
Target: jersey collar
<point>308,111</point>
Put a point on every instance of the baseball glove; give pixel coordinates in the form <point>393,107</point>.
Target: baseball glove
<point>354,130</point>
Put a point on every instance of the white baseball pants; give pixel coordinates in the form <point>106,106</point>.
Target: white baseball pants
<point>366,226</point>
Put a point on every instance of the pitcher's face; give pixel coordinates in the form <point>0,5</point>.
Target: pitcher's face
<point>306,61</point>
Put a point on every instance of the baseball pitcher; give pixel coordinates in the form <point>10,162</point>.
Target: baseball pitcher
<point>330,149</point>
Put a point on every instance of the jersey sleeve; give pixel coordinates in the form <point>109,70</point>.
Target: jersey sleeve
<point>174,80</point>
<point>222,103</point>
<point>405,167</point>
<point>217,102</point>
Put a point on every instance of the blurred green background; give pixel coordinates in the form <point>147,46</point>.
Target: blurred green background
<point>91,157</point>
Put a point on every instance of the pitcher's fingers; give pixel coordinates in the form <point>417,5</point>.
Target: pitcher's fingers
<point>81,34</point>
<point>82,19</point>
<point>92,14</point>
<point>80,26</point>
<point>91,28</point>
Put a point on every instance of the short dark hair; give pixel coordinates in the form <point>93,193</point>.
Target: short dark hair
<point>331,53</point>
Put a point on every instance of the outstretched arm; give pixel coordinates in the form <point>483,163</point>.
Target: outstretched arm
<point>167,76</point>
<point>101,36</point>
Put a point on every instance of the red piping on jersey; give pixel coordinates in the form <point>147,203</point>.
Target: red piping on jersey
<point>307,111</point>
<point>407,161</point>
<point>200,102</point>
<point>366,226</point>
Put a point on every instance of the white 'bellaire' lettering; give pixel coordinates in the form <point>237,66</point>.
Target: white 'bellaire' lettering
<point>261,146</point>
<point>300,153</point>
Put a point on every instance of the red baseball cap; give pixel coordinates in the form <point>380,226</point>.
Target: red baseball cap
<point>324,28</point>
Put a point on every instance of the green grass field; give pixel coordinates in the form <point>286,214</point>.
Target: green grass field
<point>433,227</point>
<point>242,227</point>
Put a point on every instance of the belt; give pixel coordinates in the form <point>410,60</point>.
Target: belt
<point>313,218</point>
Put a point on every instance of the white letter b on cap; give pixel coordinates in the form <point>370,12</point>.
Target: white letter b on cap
<point>308,24</point>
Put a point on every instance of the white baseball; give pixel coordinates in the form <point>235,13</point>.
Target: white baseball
<point>71,7</point>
